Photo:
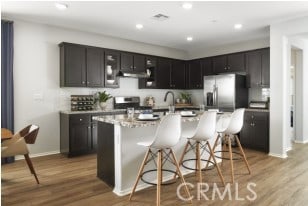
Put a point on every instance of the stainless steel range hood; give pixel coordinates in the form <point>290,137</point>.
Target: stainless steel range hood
<point>133,74</point>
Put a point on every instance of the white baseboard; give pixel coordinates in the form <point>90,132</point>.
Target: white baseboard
<point>19,157</point>
<point>289,149</point>
<point>300,141</point>
<point>283,156</point>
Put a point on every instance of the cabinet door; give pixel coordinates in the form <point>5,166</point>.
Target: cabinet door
<point>220,64</point>
<point>112,67</point>
<point>236,62</point>
<point>253,65</point>
<point>127,61</point>
<point>195,78</point>
<point>265,67</point>
<point>207,67</point>
<point>163,73</point>
<point>178,75</point>
<point>80,133</point>
<point>139,63</point>
<point>74,67</point>
<point>245,135</point>
<point>95,67</point>
<point>80,140</point>
<point>260,124</point>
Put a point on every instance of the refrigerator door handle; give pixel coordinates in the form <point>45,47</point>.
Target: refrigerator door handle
<point>214,95</point>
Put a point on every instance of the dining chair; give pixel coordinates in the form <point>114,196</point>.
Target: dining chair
<point>17,145</point>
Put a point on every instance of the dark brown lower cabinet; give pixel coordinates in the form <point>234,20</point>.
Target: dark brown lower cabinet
<point>78,134</point>
<point>255,131</point>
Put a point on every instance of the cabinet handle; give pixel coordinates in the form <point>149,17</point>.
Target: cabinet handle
<point>89,127</point>
<point>80,120</point>
<point>88,82</point>
<point>252,116</point>
<point>228,68</point>
<point>225,68</point>
<point>83,82</point>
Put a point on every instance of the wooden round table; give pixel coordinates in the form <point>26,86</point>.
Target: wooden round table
<point>6,134</point>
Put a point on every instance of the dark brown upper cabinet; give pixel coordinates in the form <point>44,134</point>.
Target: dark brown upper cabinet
<point>265,72</point>
<point>257,65</point>
<point>229,63</point>
<point>163,73</point>
<point>151,69</point>
<point>112,68</point>
<point>72,65</point>
<point>95,67</point>
<point>81,66</point>
<point>207,66</point>
<point>178,75</point>
<point>132,62</point>
<point>194,74</point>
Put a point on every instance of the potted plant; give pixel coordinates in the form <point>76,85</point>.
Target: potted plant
<point>185,97</point>
<point>102,98</point>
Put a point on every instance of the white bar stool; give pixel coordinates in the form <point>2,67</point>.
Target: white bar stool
<point>205,131</point>
<point>228,129</point>
<point>167,135</point>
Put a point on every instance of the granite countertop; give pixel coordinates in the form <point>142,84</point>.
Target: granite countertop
<point>108,111</point>
<point>256,110</point>
<point>123,121</point>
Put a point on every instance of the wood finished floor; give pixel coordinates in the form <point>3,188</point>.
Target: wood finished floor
<point>72,181</point>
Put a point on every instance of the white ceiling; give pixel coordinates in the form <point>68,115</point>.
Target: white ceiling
<point>119,18</point>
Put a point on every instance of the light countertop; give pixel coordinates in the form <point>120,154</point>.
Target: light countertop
<point>123,121</point>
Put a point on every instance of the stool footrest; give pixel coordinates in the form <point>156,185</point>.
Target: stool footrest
<point>195,169</point>
<point>227,158</point>
<point>155,170</point>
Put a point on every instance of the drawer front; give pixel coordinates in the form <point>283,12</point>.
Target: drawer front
<point>255,116</point>
<point>80,119</point>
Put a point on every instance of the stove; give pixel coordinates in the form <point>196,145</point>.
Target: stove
<point>129,101</point>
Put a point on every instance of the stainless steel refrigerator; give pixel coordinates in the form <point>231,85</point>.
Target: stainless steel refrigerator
<point>225,92</point>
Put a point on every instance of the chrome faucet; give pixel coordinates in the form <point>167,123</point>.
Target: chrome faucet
<point>170,92</point>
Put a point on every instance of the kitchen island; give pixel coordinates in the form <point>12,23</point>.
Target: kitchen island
<point>119,157</point>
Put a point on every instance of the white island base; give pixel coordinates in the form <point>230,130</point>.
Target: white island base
<point>128,155</point>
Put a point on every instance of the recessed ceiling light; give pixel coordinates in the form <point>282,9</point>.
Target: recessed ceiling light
<point>189,38</point>
<point>238,26</point>
<point>61,6</point>
<point>139,26</point>
<point>187,5</point>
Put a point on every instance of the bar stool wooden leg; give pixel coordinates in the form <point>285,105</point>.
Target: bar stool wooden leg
<point>182,157</point>
<point>198,161</point>
<point>215,145</point>
<point>224,148</point>
<point>159,177</point>
<point>243,154</point>
<point>139,173</point>
<point>30,165</point>
<point>231,159</point>
<point>180,174</point>
<point>216,165</point>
